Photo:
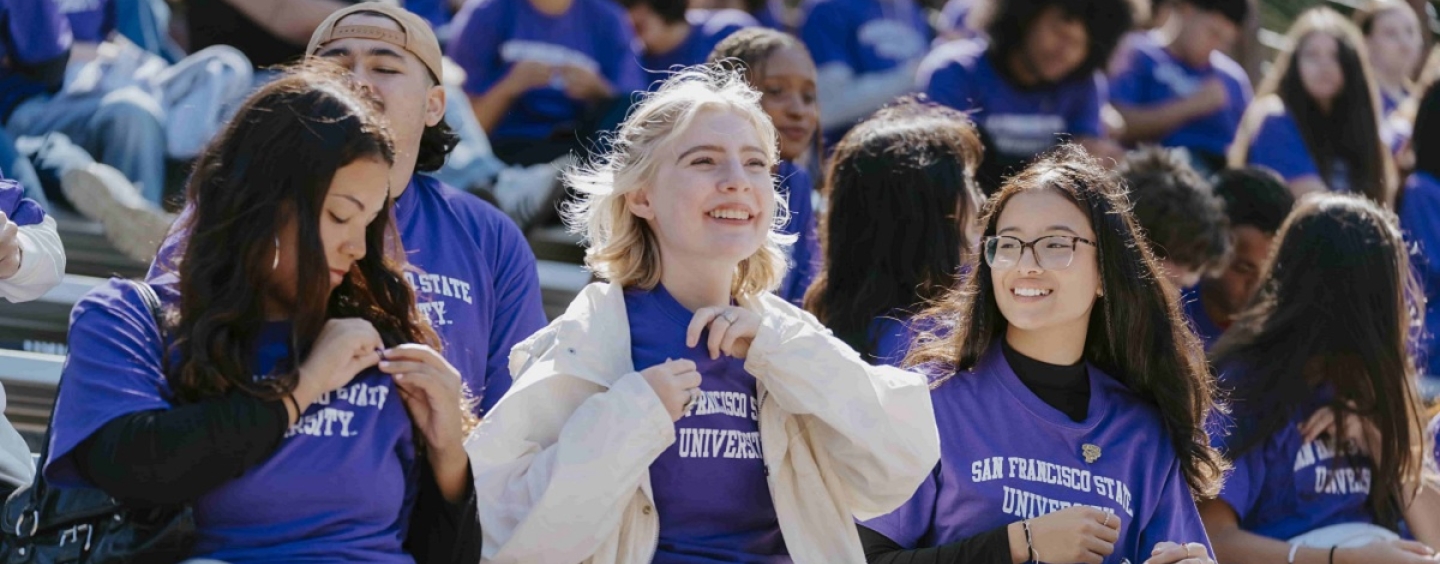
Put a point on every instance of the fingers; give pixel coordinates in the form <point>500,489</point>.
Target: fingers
<point>1321,422</point>
<point>1414,547</point>
<point>721,325</point>
<point>737,338</point>
<point>702,319</point>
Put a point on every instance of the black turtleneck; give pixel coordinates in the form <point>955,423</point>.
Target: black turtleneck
<point>1065,388</point>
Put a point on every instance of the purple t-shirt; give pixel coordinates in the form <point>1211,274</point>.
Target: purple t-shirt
<point>1419,210</point>
<point>1278,146</point>
<point>496,34</point>
<point>866,35</point>
<point>90,20</point>
<point>711,489</point>
<point>707,29</point>
<point>797,188</point>
<point>474,280</point>
<point>437,12</point>
<point>1200,320</point>
<point>1154,76</point>
<point>1006,455</point>
<point>301,504</point>
<point>1285,487</point>
<point>17,208</point>
<point>31,32</point>
<point>1018,123</point>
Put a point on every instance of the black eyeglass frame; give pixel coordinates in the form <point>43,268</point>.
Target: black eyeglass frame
<point>989,253</point>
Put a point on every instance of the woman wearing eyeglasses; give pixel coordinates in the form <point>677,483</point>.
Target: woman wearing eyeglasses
<point>1069,392</point>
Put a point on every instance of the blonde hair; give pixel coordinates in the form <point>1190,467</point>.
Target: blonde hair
<point>621,247</point>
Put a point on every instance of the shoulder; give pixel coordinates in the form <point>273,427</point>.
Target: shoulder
<point>713,22</point>
<point>607,9</point>
<point>1228,68</point>
<point>486,225</point>
<point>118,305</point>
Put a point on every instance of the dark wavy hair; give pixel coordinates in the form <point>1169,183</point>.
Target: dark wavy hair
<point>1425,140</point>
<point>273,165</point>
<point>1351,131</point>
<point>1336,309</point>
<point>1137,332</point>
<point>900,184</point>
<point>1183,219</point>
<point>1007,22</point>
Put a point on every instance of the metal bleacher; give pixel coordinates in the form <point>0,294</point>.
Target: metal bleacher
<point>33,334</point>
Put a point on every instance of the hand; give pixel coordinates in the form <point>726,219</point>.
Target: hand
<point>432,391</point>
<point>1172,553</point>
<point>1082,535</point>
<point>345,347</point>
<point>675,382</point>
<point>583,84</point>
<point>732,329</point>
<point>527,75</point>
<point>10,252</point>
<point>1358,431</point>
<point>1386,552</point>
<point>1209,98</point>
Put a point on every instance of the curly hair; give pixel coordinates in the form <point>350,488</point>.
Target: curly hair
<point>1007,23</point>
<point>1137,333</point>
<point>1182,218</point>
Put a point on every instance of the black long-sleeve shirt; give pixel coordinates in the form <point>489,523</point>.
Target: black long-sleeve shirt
<point>1065,388</point>
<point>170,456</point>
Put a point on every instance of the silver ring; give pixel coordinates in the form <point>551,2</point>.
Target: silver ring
<point>1187,552</point>
<point>1107,519</point>
<point>729,317</point>
<point>694,399</point>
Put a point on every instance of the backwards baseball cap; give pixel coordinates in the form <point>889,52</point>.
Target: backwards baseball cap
<point>414,35</point>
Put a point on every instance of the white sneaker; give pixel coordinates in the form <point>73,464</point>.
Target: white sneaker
<point>529,194</point>
<point>133,225</point>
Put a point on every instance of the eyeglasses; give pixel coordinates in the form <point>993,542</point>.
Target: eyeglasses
<point>1052,252</point>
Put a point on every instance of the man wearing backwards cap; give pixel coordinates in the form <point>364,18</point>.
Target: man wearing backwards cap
<point>476,280</point>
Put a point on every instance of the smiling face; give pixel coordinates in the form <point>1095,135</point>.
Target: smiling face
<point>789,98</point>
<point>356,197</point>
<point>712,197</point>
<point>1034,299</point>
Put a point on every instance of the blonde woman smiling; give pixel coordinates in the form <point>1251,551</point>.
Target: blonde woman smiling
<point>679,412</point>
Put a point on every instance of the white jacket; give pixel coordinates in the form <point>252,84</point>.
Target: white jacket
<point>561,463</point>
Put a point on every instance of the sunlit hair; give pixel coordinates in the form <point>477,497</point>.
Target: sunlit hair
<point>1338,309</point>
<point>1352,129</point>
<point>1137,332</point>
<point>621,247</point>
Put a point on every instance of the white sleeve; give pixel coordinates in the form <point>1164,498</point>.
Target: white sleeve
<point>846,98</point>
<point>42,266</point>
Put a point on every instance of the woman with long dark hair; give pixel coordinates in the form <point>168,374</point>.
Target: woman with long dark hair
<point>1327,438</point>
<point>903,218</point>
<point>1418,207</point>
<point>1316,117</point>
<point>779,66</point>
<point>1069,391</point>
<point>288,365</point>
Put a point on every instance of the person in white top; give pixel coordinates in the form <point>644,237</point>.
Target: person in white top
<point>679,411</point>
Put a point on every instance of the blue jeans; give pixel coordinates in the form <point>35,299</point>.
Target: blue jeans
<point>122,129</point>
<point>15,166</point>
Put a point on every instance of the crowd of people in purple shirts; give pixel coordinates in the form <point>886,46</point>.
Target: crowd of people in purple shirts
<point>998,281</point>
